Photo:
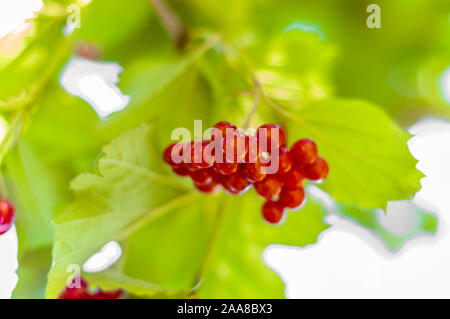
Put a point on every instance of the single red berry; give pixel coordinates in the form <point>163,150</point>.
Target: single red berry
<point>272,212</point>
<point>167,154</point>
<point>292,198</point>
<point>201,177</point>
<point>238,183</point>
<point>294,178</point>
<point>235,148</point>
<point>207,188</point>
<point>202,158</point>
<point>269,187</point>
<point>304,151</point>
<point>284,160</point>
<point>251,144</point>
<point>225,168</point>
<point>76,292</point>
<point>7,215</point>
<point>271,135</point>
<point>318,170</point>
<point>181,170</point>
<point>188,156</point>
<point>222,129</point>
<point>195,157</point>
<point>173,154</point>
<point>253,172</point>
<point>224,180</point>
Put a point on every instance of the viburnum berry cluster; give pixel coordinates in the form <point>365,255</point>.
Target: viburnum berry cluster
<point>236,161</point>
<point>82,292</point>
<point>7,215</point>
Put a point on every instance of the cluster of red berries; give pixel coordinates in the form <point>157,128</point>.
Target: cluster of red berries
<point>82,292</point>
<point>7,215</point>
<point>249,163</point>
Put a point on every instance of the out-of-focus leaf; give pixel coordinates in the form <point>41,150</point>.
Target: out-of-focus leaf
<point>28,72</point>
<point>37,195</point>
<point>294,66</point>
<point>235,268</point>
<point>100,21</point>
<point>33,269</point>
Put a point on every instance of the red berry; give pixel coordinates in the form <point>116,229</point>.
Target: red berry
<point>74,292</point>
<point>284,161</point>
<point>181,170</point>
<point>238,182</point>
<point>294,178</point>
<point>167,154</point>
<point>202,158</point>
<point>318,170</point>
<point>292,198</point>
<point>234,148</point>
<point>271,135</point>
<point>251,144</point>
<point>173,154</point>
<point>201,177</point>
<point>222,129</point>
<point>253,172</point>
<point>235,183</point>
<point>7,215</point>
<point>224,180</point>
<point>191,167</point>
<point>304,151</point>
<point>195,157</point>
<point>272,212</point>
<point>206,188</point>
<point>269,187</point>
<point>225,168</point>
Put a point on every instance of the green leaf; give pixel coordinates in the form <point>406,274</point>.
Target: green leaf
<point>367,153</point>
<point>32,272</point>
<point>425,222</point>
<point>24,76</point>
<point>130,190</point>
<point>173,235</point>
<point>235,268</point>
<point>37,195</point>
<point>99,21</point>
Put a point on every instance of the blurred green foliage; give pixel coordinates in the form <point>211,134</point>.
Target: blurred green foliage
<point>304,54</point>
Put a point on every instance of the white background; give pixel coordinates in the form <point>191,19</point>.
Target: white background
<point>348,261</point>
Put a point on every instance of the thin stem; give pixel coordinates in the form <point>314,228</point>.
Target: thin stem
<point>14,130</point>
<point>171,22</point>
